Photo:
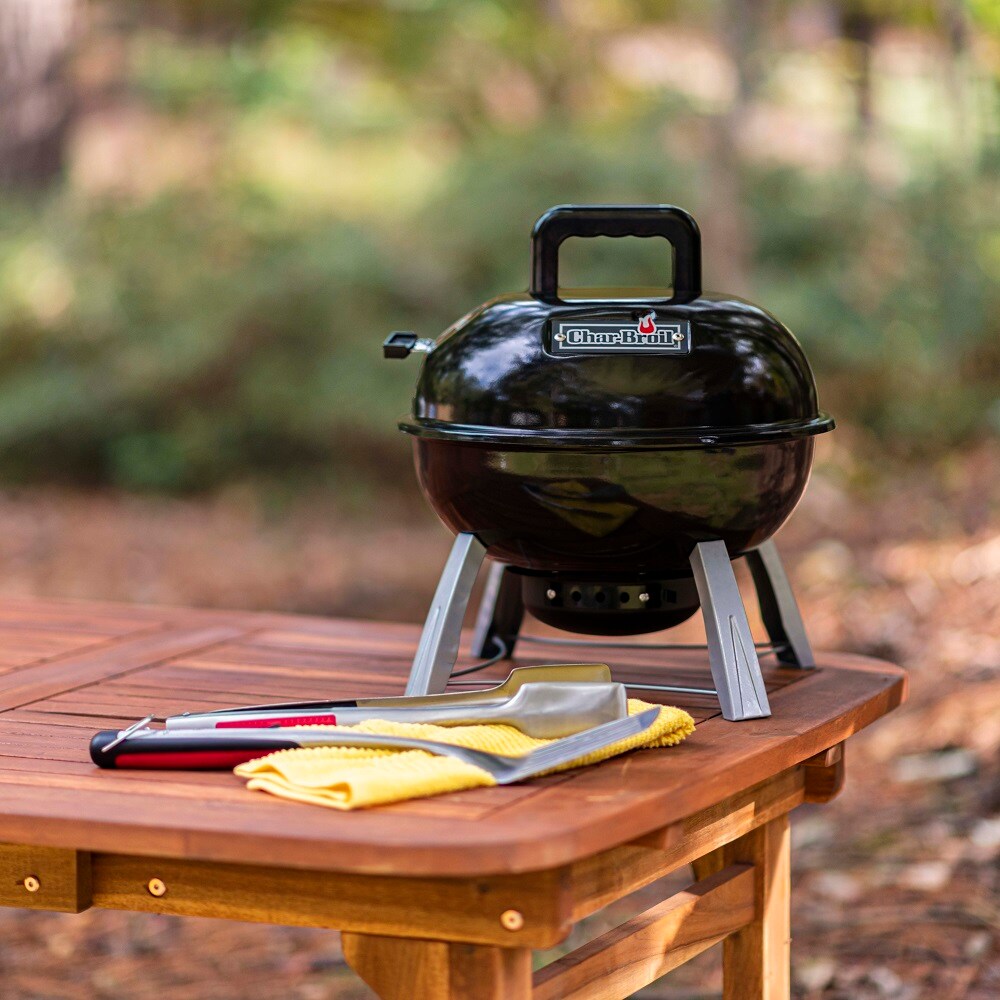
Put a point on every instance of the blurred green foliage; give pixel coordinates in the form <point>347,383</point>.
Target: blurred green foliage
<point>182,329</point>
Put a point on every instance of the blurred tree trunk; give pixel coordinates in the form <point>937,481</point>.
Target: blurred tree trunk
<point>36,96</point>
<point>859,26</point>
<point>954,18</point>
<point>741,26</point>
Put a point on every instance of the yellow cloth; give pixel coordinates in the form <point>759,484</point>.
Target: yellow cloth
<point>355,777</point>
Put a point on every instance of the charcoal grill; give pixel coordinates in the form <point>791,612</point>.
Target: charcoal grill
<point>612,451</point>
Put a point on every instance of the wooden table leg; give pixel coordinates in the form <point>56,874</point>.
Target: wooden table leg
<point>416,969</point>
<point>756,960</point>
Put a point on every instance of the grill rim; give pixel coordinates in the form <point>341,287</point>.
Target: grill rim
<point>615,439</point>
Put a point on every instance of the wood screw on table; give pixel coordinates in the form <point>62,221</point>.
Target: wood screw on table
<point>445,898</point>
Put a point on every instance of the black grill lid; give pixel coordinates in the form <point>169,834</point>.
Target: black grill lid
<point>622,367</point>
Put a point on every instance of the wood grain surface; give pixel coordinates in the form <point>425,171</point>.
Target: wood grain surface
<point>70,668</point>
<point>623,960</point>
<point>403,969</point>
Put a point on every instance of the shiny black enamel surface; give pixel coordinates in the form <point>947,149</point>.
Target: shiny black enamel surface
<point>595,473</point>
<point>492,379</point>
<point>615,513</point>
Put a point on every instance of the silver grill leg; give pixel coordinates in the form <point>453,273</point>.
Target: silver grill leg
<point>731,653</point>
<point>778,607</point>
<point>438,649</point>
<point>500,613</point>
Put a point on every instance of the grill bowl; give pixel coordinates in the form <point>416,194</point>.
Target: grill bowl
<point>628,512</point>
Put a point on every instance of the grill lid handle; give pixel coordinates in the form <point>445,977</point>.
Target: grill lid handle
<point>564,221</point>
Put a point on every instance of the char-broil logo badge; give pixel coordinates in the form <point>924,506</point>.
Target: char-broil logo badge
<point>647,335</point>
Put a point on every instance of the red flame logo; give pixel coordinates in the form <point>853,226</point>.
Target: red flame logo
<point>648,323</point>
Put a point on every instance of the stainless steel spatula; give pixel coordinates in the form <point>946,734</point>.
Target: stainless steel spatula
<point>330,712</point>
<point>545,711</point>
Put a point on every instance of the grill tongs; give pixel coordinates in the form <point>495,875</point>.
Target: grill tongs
<point>542,710</point>
<point>505,770</point>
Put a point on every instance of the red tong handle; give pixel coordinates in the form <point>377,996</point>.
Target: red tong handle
<point>286,720</point>
<point>181,753</point>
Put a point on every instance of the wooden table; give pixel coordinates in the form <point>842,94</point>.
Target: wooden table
<point>438,898</point>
